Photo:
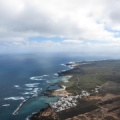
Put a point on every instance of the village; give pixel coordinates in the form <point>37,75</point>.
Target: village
<point>67,102</point>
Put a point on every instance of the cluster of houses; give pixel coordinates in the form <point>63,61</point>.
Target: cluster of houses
<point>68,101</point>
<point>97,89</point>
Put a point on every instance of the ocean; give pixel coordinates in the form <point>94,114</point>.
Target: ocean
<point>25,76</point>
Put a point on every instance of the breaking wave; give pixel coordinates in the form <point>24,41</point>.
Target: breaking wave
<point>6,105</point>
<point>39,77</point>
<point>14,98</point>
<point>32,85</point>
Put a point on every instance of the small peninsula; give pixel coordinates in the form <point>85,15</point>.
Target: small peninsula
<point>91,93</point>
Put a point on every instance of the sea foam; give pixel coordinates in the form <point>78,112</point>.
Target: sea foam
<point>16,86</point>
<point>39,77</point>
<point>32,84</point>
<point>28,93</point>
<point>14,98</point>
<point>36,78</point>
<point>6,105</point>
<point>29,89</point>
<point>56,74</point>
<point>63,64</point>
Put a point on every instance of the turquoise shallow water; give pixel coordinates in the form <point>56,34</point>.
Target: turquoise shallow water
<point>35,105</point>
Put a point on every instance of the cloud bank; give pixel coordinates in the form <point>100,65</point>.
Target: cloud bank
<point>90,26</point>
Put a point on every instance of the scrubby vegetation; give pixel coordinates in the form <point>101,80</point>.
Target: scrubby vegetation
<point>98,73</point>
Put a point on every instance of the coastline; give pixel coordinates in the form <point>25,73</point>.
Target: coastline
<point>44,114</point>
<point>88,97</point>
<point>61,92</point>
<point>48,93</point>
<point>16,111</point>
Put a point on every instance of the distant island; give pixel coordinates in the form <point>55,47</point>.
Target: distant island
<point>91,93</point>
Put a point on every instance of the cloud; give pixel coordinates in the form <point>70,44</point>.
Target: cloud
<point>80,23</point>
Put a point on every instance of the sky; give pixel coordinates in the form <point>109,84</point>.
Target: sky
<point>82,26</point>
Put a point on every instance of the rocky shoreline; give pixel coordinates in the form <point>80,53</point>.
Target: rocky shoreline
<point>45,114</point>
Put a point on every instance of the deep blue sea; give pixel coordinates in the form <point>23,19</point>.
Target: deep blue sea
<point>23,76</point>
